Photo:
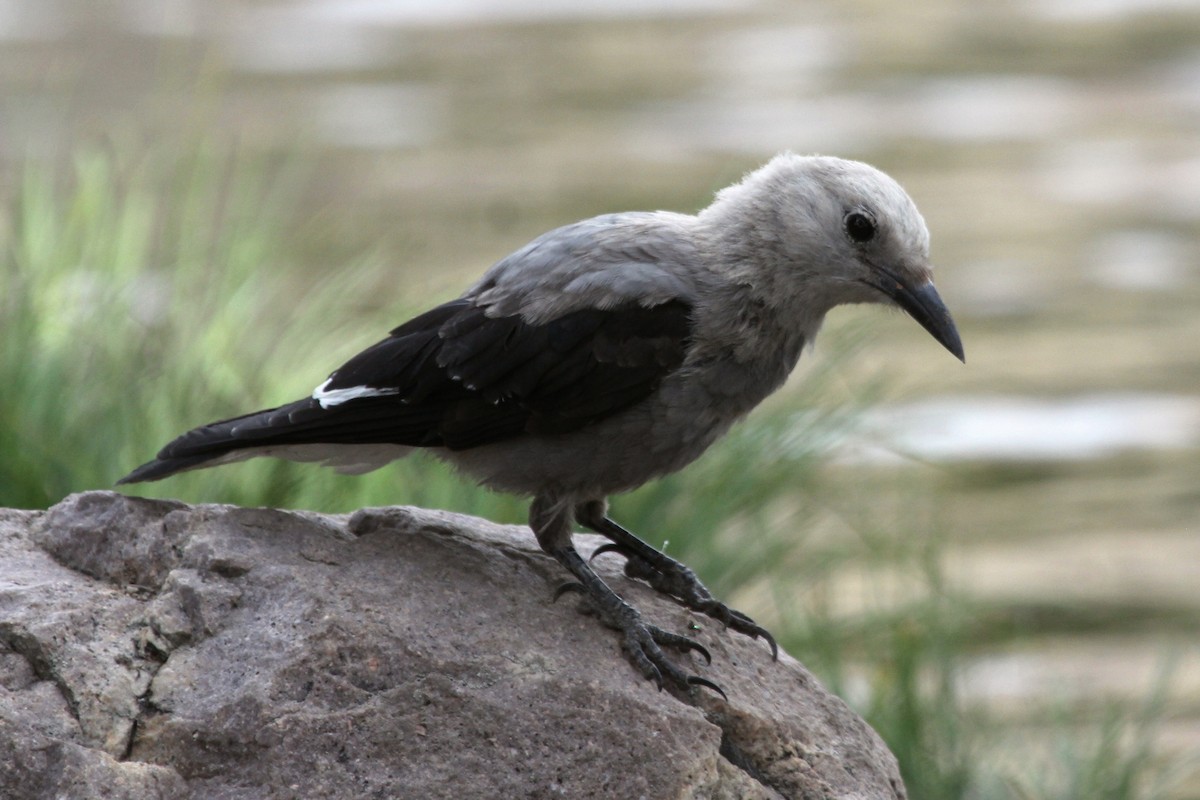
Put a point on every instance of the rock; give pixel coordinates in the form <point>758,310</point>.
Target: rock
<point>152,649</point>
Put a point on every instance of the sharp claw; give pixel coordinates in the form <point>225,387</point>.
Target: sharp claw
<point>680,583</point>
<point>607,548</point>
<point>566,588</point>
<point>741,622</point>
<point>774,647</point>
<point>695,680</point>
<point>643,644</point>
<point>756,631</point>
<point>646,655</point>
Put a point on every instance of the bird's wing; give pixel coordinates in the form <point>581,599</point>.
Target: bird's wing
<point>515,355</point>
<point>457,377</point>
<point>582,323</point>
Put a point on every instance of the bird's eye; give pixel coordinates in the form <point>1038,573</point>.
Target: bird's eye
<point>860,226</point>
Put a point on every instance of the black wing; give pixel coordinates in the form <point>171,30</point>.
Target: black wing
<point>454,377</point>
<point>489,378</point>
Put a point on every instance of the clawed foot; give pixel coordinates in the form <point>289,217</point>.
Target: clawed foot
<point>680,583</point>
<point>551,520</point>
<point>643,643</point>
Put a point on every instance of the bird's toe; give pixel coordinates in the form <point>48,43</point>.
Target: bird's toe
<point>644,646</point>
<point>682,585</point>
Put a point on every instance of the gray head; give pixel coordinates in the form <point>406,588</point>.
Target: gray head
<point>836,231</point>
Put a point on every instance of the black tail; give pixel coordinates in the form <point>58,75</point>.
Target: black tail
<point>373,420</point>
<point>209,442</point>
<point>161,468</point>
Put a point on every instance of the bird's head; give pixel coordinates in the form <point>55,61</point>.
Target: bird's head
<point>843,232</point>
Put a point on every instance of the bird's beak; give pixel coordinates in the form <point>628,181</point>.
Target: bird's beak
<point>925,305</point>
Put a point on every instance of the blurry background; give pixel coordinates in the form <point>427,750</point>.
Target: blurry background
<point>209,203</point>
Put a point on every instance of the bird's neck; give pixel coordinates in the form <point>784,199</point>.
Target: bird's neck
<point>743,349</point>
<point>758,309</point>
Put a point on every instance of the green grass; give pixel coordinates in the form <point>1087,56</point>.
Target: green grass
<point>128,283</point>
<point>1113,758</point>
<point>143,295</point>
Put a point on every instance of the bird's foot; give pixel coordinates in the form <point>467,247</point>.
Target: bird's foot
<point>643,643</point>
<point>679,582</point>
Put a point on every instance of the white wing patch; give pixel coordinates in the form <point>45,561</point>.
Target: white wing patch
<point>333,397</point>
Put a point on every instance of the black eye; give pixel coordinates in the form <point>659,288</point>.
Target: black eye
<point>860,226</point>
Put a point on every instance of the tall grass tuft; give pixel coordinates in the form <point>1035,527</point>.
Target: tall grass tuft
<point>1109,752</point>
<point>128,285</point>
<point>145,295</point>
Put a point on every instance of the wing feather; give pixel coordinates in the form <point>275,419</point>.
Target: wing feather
<point>577,326</point>
<point>464,379</point>
<point>487,378</point>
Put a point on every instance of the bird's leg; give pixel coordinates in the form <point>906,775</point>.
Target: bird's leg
<point>665,573</point>
<point>551,522</point>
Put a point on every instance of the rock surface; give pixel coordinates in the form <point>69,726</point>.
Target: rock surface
<point>151,649</point>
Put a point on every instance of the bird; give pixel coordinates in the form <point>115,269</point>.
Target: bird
<point>607,353</point>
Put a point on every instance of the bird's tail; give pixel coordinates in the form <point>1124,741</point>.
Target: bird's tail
<point>214,443</point>
<point>161,468</point>
<point>354,437</point>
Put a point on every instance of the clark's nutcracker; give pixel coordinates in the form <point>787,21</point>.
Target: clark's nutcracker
<point>609,352</point>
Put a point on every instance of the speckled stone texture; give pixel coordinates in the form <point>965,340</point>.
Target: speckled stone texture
<point>150,649</point>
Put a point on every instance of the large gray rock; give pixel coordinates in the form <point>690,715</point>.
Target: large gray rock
<point>151,649</point>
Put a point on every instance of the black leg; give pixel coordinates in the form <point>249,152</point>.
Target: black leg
<point>666,574</point>
<point>641,641</point>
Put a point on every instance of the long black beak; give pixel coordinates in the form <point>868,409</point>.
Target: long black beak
<point>925,305</point>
